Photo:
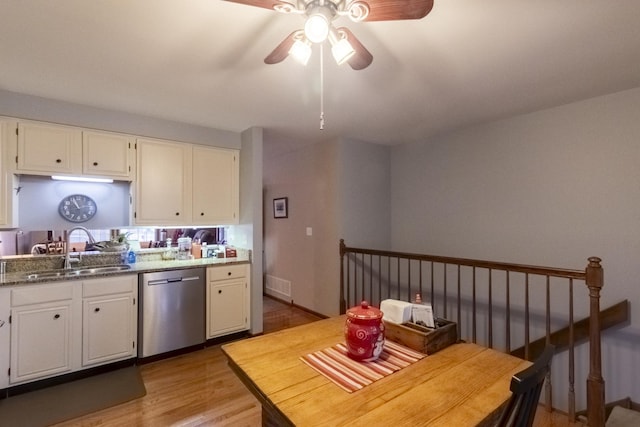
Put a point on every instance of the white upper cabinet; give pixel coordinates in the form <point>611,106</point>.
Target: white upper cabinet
<point>8,197</point>
<point>163,184</point>
<point>185,184</point>
<point>106,154</point>
<point>44,149</point>
<point>215,186</point>
<point>48,149</point>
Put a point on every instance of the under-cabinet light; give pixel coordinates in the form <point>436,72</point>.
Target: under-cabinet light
<point>80,179</point>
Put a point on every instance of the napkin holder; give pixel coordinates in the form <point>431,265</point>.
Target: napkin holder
<point>420,338</point>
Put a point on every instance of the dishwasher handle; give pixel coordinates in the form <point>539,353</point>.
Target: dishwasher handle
<point>172,280</point>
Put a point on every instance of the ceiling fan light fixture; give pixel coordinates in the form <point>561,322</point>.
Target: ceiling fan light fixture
<point>341,49</point>
<point>317,26</point>
<point>301,51</point>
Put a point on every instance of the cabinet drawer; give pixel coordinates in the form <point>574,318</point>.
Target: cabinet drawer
<point>41,294</point>
<point>109,286</point>
<point>226,272</point>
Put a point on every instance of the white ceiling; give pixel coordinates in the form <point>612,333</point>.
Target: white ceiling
<point>201,62</point>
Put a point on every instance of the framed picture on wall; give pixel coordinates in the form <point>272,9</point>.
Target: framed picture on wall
<point>281,207</point>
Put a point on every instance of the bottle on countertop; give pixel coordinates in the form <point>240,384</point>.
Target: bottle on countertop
<point>204,248</point>
<point>168,253</point>
<point>196,250</point>
<point>131,257</point>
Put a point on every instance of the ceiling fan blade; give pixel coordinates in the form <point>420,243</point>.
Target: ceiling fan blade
<point>281,51</point>
<point>266,4</point>
<point>393,10</point>
<point>362,58</point>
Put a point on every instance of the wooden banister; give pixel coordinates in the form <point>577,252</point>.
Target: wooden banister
<point>595,382</point>
<point>609,317</point>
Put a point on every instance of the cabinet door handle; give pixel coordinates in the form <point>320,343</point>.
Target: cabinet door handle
<point>201,213</point>
<point>97,309</point>
<point>58,160</point>
<point>177,213</point>
<point>95,163</point>
<point>219,291</point>
<point>57,316</point>
<point>229,273</point>
<point>1,323</point>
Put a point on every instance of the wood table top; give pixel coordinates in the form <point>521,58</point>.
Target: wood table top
<point>461,385</point>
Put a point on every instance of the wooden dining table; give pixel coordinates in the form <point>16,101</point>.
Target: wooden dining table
<point>462,385</point>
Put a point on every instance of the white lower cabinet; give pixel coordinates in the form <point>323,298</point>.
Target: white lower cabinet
<point>43,331</point>
<point>109,313</point>
<point>5,336</point>
<point>227,299</point>
<point>62,327</point>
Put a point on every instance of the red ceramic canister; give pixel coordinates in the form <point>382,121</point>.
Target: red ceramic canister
<point>364,332</point>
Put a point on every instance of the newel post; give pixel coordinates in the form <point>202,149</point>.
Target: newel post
<point>595,382</point>
<point>343,303</point>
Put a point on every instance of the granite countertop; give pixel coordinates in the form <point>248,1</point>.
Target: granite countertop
<point>17,270</point>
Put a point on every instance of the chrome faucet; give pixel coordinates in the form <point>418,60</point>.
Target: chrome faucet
<point>67,257</point>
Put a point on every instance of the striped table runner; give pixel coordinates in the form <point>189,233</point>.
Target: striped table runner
<point>350,375</point>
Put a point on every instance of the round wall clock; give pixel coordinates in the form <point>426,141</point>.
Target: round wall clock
<point>77,208</point>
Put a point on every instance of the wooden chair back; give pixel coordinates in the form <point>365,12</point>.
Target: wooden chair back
<point>525,387</point>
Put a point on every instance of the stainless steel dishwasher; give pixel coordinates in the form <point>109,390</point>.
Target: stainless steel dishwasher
<point>172,311</point>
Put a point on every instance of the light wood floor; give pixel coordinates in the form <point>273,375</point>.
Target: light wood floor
<point>199,389</point>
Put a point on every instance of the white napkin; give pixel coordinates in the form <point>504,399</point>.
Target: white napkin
<point>396,311</point>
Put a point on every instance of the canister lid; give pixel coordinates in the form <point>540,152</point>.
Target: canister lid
<point>364,312</point>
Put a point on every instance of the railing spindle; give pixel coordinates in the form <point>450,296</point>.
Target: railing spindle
<point>572,368</point>
<point>409,280</point>
<point>459,301</point>
<point>474,311</point>
<point>433,292</point>
<point>444,291</point>
<point>526,318</point>
<point>490,310</point>
<point>508,311</point>
<point>548,395</point>
<point>371,277</point>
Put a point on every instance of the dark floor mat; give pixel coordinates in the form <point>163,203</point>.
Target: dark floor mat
<point>70,400</point>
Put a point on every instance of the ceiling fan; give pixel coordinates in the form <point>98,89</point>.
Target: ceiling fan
<point>318,27</point>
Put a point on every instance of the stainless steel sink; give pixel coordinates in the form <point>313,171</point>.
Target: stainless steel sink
<point>100,270</point>
<point>46,274</point>
<point>52,274</point>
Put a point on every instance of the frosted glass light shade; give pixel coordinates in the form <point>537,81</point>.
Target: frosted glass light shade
<point>300,51</point>
<point>342,51</point>
<point>317,28</point>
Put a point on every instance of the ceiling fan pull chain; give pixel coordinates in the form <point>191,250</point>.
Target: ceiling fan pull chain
<point>321,87</point>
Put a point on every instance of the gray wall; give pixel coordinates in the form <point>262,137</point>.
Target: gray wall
<point>307,178</point>
<point>549,188</point>
<point>365,194</point>
<point>339,189</point>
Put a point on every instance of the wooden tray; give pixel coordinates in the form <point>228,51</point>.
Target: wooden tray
<point>421,338</point>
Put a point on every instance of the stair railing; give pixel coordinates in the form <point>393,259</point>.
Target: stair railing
<point>479,294</point>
